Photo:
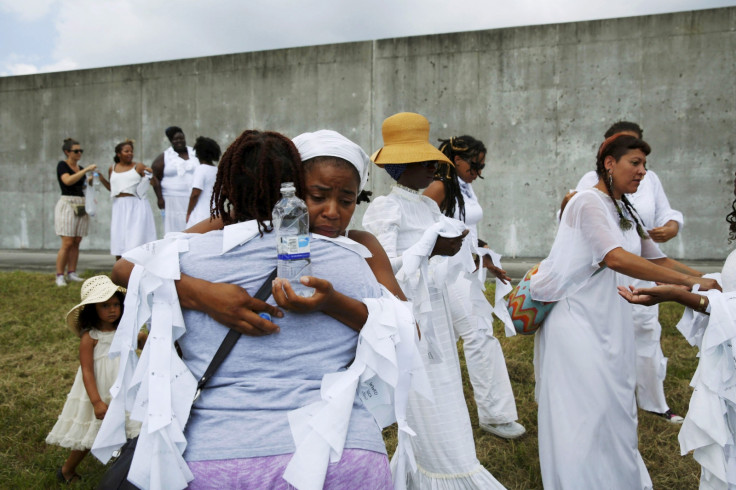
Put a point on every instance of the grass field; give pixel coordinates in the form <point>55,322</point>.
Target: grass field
<point>38,361</point>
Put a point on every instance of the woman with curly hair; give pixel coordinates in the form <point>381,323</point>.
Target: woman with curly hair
<point>132,219</point>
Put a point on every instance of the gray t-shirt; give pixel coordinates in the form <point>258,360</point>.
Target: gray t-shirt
<point>242,412</point>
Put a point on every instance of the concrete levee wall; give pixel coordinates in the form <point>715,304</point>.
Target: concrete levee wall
<point>539,97</point>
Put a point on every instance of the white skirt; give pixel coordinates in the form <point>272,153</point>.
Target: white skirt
<point>175,216</point>
<point>131,225</point>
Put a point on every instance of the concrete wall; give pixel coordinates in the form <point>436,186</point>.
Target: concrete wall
<point>539,97</point>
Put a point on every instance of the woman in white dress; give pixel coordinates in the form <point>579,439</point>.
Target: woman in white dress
<point>471,314</point>
<point>662,224</point>
<point>174,169</point>
<point>585,351</point>
<point>424,248</point>
<point>132,220</point>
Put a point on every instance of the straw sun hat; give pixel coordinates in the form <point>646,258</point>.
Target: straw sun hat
<point>96,289</point>
<point>406,140</point>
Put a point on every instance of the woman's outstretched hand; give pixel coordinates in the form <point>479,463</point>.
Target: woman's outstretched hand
<point>649,296</point>
<point>707,284</point>
<point>496,271</point>
<point>286,298</point>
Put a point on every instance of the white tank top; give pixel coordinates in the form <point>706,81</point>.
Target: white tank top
<point>123,182</point>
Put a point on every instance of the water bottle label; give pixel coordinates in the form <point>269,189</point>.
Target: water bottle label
<point>294,247</point>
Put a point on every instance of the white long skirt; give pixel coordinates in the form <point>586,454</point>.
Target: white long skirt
<point>444,447</point>
<point>585,359</point>
<point>175,213</point>
<point>131,225</point>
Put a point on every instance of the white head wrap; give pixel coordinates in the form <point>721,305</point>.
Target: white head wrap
<point>328,143</point>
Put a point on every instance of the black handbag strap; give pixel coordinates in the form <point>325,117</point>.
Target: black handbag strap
<point>231,338</point>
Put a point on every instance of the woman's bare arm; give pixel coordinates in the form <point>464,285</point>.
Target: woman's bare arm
<point>227,304</point>
<point>379,262</point>
<point>632,265</point>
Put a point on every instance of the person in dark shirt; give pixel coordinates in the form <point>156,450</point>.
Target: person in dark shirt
<point>70,219</point>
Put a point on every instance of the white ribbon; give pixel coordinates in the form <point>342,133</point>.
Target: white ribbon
<point>160,389</point>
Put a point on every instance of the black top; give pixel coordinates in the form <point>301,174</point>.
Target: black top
<point>76,189</point>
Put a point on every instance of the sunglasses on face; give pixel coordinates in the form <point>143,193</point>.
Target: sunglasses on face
<point>77,151</point>
<point>477,166</point>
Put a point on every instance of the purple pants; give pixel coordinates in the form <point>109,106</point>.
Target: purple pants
<point>357,469</point>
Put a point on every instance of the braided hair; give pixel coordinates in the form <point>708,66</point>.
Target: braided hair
<point>119,147</point>
<point>467,148</point>
<point>250,174</point>
<point>617,146</point>
<point>731,218</point>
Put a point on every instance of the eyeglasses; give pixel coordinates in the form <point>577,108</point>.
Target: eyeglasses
<point>477,166</point>
<point>77,151</point>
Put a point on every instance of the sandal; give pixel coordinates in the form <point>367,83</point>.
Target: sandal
<point>62,479</point>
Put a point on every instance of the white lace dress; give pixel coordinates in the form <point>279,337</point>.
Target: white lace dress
<point>77,426</point>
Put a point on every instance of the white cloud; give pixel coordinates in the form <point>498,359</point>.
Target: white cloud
<point>27,10</point>
<point>92,33</point>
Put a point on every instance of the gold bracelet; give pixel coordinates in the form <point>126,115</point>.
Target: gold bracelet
<point>701,306</point>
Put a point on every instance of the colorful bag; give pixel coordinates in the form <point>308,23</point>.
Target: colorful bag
<point>527,314</point>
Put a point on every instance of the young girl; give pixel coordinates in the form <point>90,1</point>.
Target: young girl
<point>94,320</point>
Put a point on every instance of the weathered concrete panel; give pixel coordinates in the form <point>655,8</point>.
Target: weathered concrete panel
<point>540,97</point>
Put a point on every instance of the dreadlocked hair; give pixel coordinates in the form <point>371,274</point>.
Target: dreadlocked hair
<point>467,148</point>
<point>731,218</point>
<point>249,177</point>
<point>617,146</point>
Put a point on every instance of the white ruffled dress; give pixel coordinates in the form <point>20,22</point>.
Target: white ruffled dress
<point>709,429</point>
<point>407,224</point>
<point>77,426</point>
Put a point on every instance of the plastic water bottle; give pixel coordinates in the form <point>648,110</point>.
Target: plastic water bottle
<point>291,225</point>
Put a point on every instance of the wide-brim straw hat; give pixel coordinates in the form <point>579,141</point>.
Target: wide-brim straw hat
<point>96,289</point>
<point>406,140</point>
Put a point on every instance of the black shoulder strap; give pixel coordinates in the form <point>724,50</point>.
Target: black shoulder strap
<point>232,337</point>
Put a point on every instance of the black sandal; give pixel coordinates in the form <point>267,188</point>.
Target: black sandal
<point>62,479</point>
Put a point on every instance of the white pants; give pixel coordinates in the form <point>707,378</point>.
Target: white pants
<point>651,365</point>
<point>483,357</point>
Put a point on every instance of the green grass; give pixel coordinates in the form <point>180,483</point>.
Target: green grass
<point>38,361</point>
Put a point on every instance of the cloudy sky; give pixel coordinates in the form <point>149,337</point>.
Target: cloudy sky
<point>55,35</point>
